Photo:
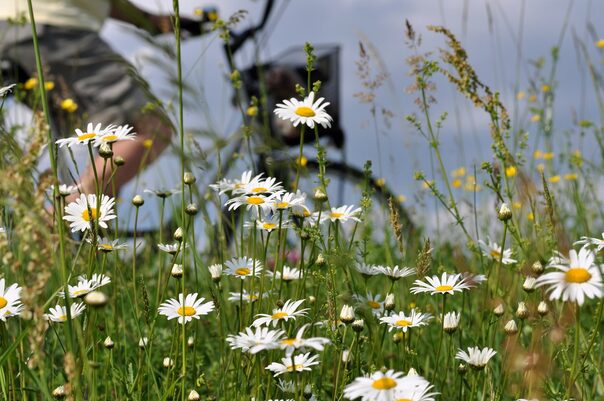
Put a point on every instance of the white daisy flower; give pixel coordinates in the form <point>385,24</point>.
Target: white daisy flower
<point>395,273</point>
<point>367,270</point>
<point>286,312</point>
<point>242,267</point>
<point>451,321</point>
<point>492,250</point>
<point>82,213</point>
<point>84,286</point>
<point>172,249</point>
<point>414,388</point>
<point>64,189</point>
<point>289,274</point>
<point>215,271</point>
<point>58,314</point>
<point>226,185</point>
<point>307,111</point>
<point>476,357</point>
<point>5,90</point>
<point>292,344</point>
<point>373,301</point>
<point>472,280</point>
<point>578,277</point>
<point>258,185</point>
<point>107,245</point>
<point>84,138</point>
<point>598,243</point>
<point>301,363</point>
<point>342,214</point>
<point>447,284</point>
<point>10,300</point>
<point>185,309</point>
<point>400,321</point>
<point>120,133</point>
<point>287,386</point>
<point>255,341</point>
<point>246,296</point>
<point>253,202</point>
<point>290,200</point>
<point>268,224</point>
<point>377,387</point>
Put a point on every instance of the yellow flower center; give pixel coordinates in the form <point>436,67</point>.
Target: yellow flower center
<point>88,135</point>
<point>336,215</point>
<point>106,247</point>
<point>403,323</point>
<point>243,271</point>
<point>255,200</point>
<point>443,288</point>
<point>295,367</point>
<point>385,383</point>
<point>577,275</point>
<point>108,138</point>
<point>62,318</point>
<point>304,111</point>
<point>288,341</point>
<point>495,254</point>
<point>86,215</point>
<point>268,226</point>
<point>279,315</point>
<point>282,205</point>
<point>78,293</point>
<point>259,189</point>
<point>373,304</point>
<point>186,311</point>
<point>3,302</point>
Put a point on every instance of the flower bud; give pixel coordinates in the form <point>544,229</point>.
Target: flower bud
<point>542,308</point>
<point>358,325</point>
<point>505,213</point>
<point>462,369</point>
<point>168,362</point>
<point>389,302</point>
<point>321,260</point>
<point>346,355</point>
<point>191,209</point>
<point>537,267</point>
<point>215,272</point>
<point>280,303</point>
<point>511,328</point>
<point>96,299</point>
<point>143,342</point>
<point>307,392</point>
<point>451,322</point>
<point>529,284</point>
<point>312,299</point>
<point>499,310</point>
<point>59,392</point>
<point>179,234</point>
<point>189,178</point>
<point>138,201</point>
<point>320,195</point>
<point>119,161</point>
<point>105,151</point>
<point>522,311</point>
<point>193,396</point>
<point>177,271</point>
<point>347,314</point>
<point>412,372</point>
<point>397,337</point>
<point>190,342</point>
<point>108,343</point>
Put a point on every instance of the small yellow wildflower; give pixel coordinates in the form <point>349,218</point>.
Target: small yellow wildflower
<point>577,158</point>
<point>456,183</point>
<point>380,182</point>
<point>301,161</point>
<point>516,205</point>
<point>532,98</point>
<point>541,167</point>
<point>459,172</point>
<point>536,118</point>
<point>548,155</point>
<point>554,179</point>
<point>212,15</point>
<point>545,88</point>
<point>252,111</point>
<point>538,154</point>
<point>49,85</point>
<point>530,216</point>
<point>412,305</point>
<point>198,12</point>
<point>510,171</point>
<point>401,198</point>
<point>600,43</point>
<point>571,176</point>
<point>30,84</point>
<point>148,143</point>
<point>520,95</point>
<point>69,105</point>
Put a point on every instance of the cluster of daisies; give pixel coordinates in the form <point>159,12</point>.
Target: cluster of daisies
<point>96,135</point>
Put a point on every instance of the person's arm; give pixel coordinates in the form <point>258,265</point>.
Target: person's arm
<point>125,11</point>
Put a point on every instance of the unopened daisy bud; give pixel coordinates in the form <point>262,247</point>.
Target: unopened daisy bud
<point>451,322</point>
<point>177,271</point>
<point>412,372</point>
<point>529,284</point>
<point>397,337</point>
<point>347,314</point>
<point>142,343</point>
<point>308,391</point>
<point>537,267</point>
<point>96,299</point>
<point>179,234</point>
<point>105,151</point>
<point>191,209</point>
<point>189,178</point>
<point>321,260</point>
<point>138,201</point>
<point>505,213</point>
<point>542,308</point>
<point>462,369</point>
<point>119,161</point>
<point>320,195</point>
<point>389,302</point>
<point>59,392</point>
<point>511,328</point>
<point>215,272</point>
<point>522,311</point>
<point>346,355</point>
<point>279,303</point>
<point>193,396</point>
<point>499,310</point>
<point>108,343</point>
<point>312,299</point>
<point>358,325</point>
<point>168,362</point>
<point>305,235</point>
<point>190,341</point>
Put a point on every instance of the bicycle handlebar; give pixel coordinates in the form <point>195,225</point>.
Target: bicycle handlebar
<point>238,39</point>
